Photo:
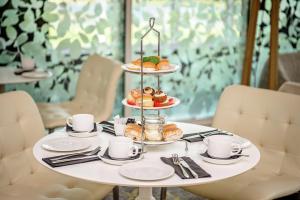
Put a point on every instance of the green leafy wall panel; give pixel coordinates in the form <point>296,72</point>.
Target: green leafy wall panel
<point>59,35</point>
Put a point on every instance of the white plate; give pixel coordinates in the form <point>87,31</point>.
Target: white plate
<point>155,142</point>
<point>86,134</point>
<point>65,144</point>
<point>177,101</point>
<point>173,68</point>
<point>243,142</point>
<point>146,171</point>
<point>37,74</point>
<point>118,162</point>
<point>221,161</point>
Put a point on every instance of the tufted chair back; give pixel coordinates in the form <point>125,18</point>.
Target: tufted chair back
<point>97,85</point>
<point>268,118</point>
<point>20,127</point>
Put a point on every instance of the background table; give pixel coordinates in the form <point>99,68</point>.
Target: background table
<point>101,172</point>
<point>7,76</point>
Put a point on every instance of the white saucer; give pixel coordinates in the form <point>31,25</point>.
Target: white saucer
<point>117,162</point>
<point>65,144</point>
<point>85,134</point>
<point>146,171</point>
<point>220,161</point>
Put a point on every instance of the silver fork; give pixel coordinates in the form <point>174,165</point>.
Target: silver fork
<point>176,161</point>
<point>96,150</point>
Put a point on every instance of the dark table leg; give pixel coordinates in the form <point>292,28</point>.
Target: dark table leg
<point>2,88</point>
<point>116,193</point>
<point>163,193</point>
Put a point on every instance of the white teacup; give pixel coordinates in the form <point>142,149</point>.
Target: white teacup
<point>221,146</point>
<point>81,122</point>
<point>27,63</point>
<point>122,147</point>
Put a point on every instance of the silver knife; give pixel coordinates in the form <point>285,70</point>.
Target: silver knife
<point>184,163</point>
<point>72,159</point>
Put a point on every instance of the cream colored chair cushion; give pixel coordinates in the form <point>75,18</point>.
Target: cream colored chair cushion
<point>95,94</point>
<point>271,120</point>
<point>21,176</point>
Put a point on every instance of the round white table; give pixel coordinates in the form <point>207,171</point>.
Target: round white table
<point>100,172</point>
<point>7,76</point>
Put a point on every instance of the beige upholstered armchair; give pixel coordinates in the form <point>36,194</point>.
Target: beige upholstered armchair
<point>272,121</point>
<point>21,177</point>
<point>95,94</point>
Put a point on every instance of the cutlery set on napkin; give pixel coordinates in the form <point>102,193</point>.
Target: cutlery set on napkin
<point>185,167</point>
<point>74,158</point>
<point>199,136</point>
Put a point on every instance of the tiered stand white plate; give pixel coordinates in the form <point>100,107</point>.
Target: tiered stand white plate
<point>176,103</point>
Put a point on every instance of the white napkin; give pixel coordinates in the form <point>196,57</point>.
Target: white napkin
<point>120,125</point>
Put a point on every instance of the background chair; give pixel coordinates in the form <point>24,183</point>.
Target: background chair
<point>95,94</point>
<point>22,177</point>
<point>288,69</point>
<point>290,87</point>
<point>271,120</point>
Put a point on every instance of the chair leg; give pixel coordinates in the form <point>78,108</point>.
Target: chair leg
<point>51,130</point>
<point>163,193</point>
<point>116,193</point>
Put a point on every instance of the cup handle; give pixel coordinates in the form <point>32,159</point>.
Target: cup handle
<point>236,150</point>
<point>69,121</point>
<point>135,150</point>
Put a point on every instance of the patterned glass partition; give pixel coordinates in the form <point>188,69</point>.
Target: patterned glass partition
<point>59,35</point>
<point>205,37</point>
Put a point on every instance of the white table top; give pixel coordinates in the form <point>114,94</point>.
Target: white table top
<point>98,171</point>
<point>7,76</point>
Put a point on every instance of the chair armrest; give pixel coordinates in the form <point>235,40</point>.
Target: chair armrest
<point>290,87</point>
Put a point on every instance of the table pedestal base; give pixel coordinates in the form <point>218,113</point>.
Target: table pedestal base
<point>145,193</point>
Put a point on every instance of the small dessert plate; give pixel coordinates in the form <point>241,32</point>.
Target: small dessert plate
<point>219,161</point>
<point>65,144</point>
<point>147,142</point>
<point>146,171</point>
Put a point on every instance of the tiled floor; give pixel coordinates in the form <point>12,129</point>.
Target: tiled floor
<point>129,193</point>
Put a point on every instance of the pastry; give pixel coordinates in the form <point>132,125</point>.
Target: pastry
<point>147,100</point>
<point>161,104</point>
<point>149,90</point>
<point>159,96</point>
<point>163,64</point>
<point>135,93</point>
<point>133,131</point>
<point>171,132</point>
<point>149,66</point>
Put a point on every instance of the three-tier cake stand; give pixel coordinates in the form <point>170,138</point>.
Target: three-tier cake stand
<point>142,72</point>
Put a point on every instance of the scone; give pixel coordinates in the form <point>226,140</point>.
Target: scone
<point>133,131</point>
<point>171,132</point>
